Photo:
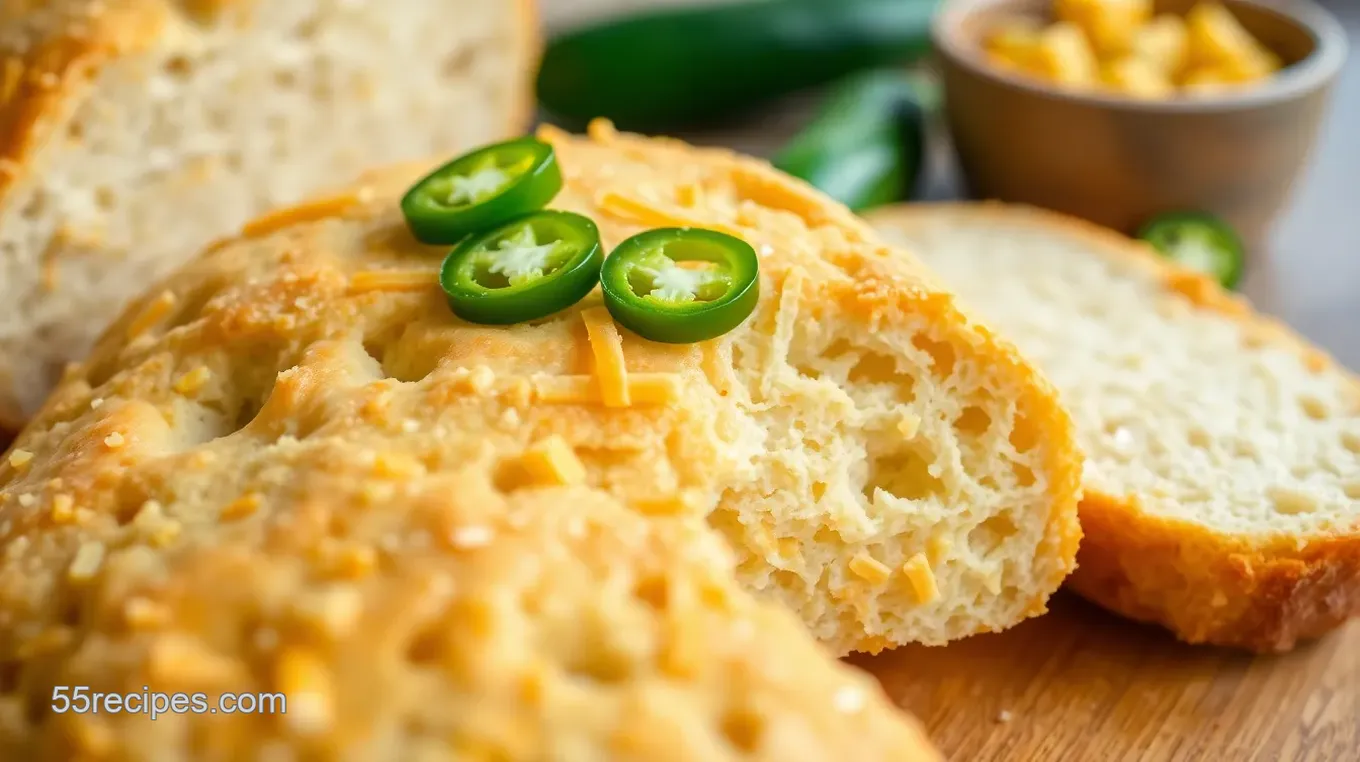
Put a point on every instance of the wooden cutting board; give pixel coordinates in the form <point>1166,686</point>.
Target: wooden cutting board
<point>1080,684</point>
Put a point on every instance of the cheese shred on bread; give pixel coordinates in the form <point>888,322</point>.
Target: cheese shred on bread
<point>507,535</point>
<point>132,132</point>
<point>1222,482</point>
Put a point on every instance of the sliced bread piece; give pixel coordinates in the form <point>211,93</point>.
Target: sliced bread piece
<point>1222,482</point>
<point>133,132</point>
<point>878,462</point>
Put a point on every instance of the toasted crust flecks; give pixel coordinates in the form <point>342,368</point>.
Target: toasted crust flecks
<point>1259,590</point>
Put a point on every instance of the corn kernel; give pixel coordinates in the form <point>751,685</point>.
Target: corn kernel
<point>1137,78</point>
<point>1217,40</point>
<point>1065,56</point>
<point>1110,25</point>
<point>1162,43</point>
<point>1015,44</point>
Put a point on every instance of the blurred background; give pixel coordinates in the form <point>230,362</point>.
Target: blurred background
<point>1306,270</point>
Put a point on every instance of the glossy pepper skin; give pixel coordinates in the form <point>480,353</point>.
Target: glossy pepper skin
<point>529,268</point>
<point>866,146</point>
<point>482,189</point>
<point>1199,241</point>
<point>670,68</point>
<point>649,291</point>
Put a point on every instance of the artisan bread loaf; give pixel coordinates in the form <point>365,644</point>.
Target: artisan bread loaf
<point>1222,481</point>
<point>133,132</point>
<point>289,469</point>
<point>879,463</point>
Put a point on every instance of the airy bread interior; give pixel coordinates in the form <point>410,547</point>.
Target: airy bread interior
<point>139,131</point>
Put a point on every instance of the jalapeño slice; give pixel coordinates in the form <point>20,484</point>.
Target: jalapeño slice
<point>1199,241</point>
<point>482,189</point>
<point>526,269</point>
<point>681,285</point>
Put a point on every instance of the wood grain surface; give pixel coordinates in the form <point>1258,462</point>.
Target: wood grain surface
<point>1080,684</point>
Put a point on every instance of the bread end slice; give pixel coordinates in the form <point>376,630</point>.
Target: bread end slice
<point>1222,488</point>
<point>133,133</point>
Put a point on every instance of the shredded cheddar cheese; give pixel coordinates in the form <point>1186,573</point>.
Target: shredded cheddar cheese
<point>869,569</point>
<point>307,682</point>
<point>152,314</point>
<point>643,213</point>
<point>63,509</point>
<point>145,614</point>
<point>192,382</point>
<point>939,547</point>
<point>10,78</point>
<point>607,346</point>
<point>86,563</point>
<point>643,389</point>
<point>395,465</point>
<point>242,507</point>
<point>778,193</point>
<point>689,194</point>
<point>393,280</point>
<point>678,504</point>
<point>553,461</point>
<point>921,578</point>
<point>311,211</point>
<point>601,131</point>
<point>182,657</point>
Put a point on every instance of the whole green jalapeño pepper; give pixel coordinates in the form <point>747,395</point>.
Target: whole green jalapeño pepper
<point>681,285</point>
<point>482,189</point>
<point>526,269</point>
<point>1199,241</point>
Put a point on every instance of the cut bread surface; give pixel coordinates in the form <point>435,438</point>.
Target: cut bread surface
<point>134,132</point>
<point>1222,480</point>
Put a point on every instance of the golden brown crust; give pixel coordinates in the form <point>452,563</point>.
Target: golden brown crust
<point>1205,586</point>
<point>1209,587</point>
